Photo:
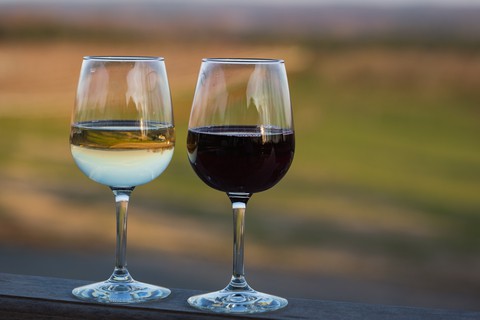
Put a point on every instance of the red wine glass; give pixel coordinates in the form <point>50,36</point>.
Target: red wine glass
<point>240,141</point>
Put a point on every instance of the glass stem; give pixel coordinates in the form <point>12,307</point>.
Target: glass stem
<point>239,205</point>
<point>238,239</point>
<point>122,196</point>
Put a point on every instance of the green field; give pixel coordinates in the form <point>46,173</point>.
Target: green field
<point>385,184</point>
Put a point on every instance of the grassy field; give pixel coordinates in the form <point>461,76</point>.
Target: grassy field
<point>384,186</point>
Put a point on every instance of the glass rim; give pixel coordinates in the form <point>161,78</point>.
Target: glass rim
<point>123,58</point>
<point>244,60</point>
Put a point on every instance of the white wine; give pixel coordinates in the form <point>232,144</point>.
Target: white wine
<point>122,153</point>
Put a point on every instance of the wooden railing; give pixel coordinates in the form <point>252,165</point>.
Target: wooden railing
<point>30,297</point>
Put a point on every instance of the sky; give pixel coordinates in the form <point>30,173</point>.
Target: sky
<point>274,2</point>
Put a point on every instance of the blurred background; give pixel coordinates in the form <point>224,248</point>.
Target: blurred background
<point>381,204</point>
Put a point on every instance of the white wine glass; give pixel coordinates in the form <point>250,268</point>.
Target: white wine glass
<point>122,136</point>
<point>240,141</point>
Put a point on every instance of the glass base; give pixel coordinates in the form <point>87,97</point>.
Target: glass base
<point>235,300</point>
<point>125,291</point>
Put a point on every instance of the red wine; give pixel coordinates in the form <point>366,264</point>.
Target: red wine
<point>240,158</point>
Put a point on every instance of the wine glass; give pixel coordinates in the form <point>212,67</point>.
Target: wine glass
<point>240,141</point>
<point>122,135</point>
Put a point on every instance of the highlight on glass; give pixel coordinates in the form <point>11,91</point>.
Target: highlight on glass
<point>122,136</point>
<point>240,141</point>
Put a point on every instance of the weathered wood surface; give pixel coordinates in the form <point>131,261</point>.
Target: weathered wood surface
<point>31,297</point>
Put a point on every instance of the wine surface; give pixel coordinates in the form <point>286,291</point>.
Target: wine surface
<point>122,153</point>
<point>240,158</point>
